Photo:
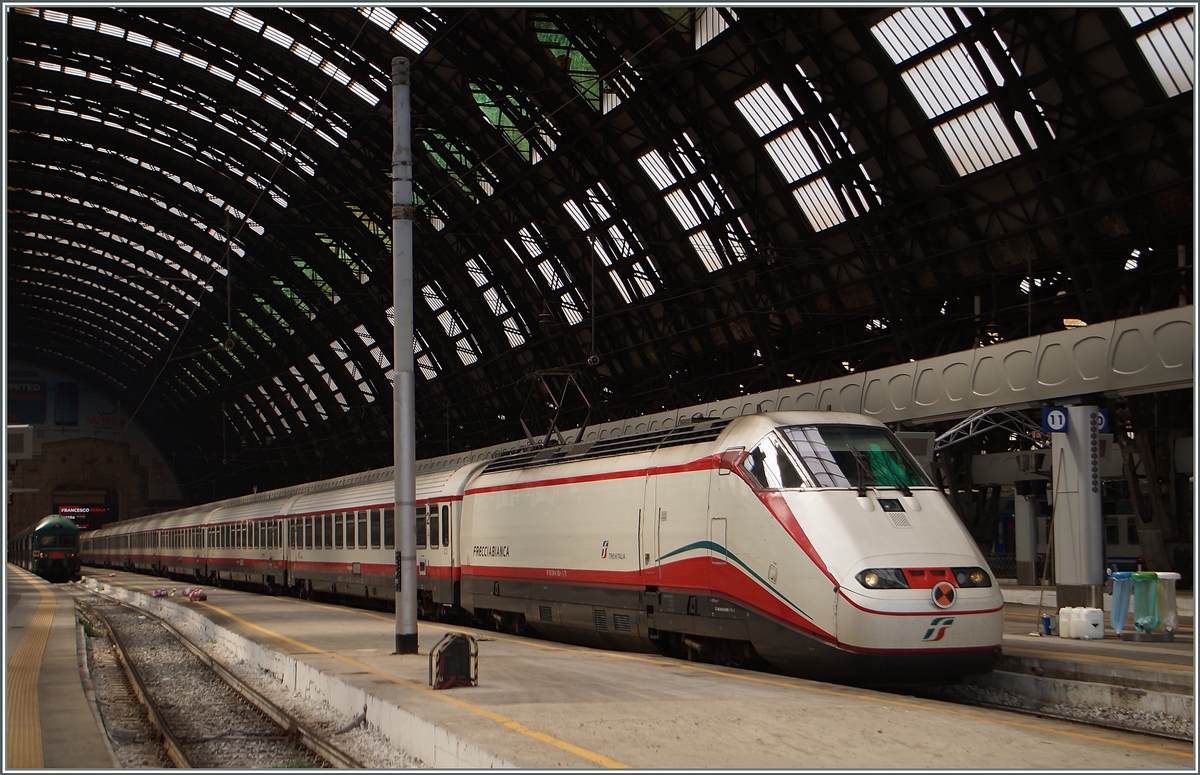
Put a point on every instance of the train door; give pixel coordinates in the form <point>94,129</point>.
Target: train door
<point>649,520</point>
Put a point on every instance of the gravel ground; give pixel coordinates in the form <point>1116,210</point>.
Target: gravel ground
<point>129,731</point>
<point>1155,721</point>
<point>364,743</point>
<point>211,721</point>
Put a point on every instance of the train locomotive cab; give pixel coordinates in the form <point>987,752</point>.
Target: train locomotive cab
<point>864,557</point>
<point>50,548</point>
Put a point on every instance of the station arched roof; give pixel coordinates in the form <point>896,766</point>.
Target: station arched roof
<point>673,205</point>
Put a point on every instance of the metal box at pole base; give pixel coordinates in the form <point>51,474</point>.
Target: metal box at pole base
<point>454,661</point>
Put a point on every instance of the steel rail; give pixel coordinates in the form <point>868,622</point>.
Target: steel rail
<point>169,742</point>
<point>306,736</point>
<point>310,739</point>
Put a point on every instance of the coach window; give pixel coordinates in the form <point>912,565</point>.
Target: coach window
<point>291,533</point>
<point>318,532</point>
<point>389,528</point>
<point>339,530</point>
<point>770,467</point>
<point>445,525</point>
<point>420,527</point>
<point>362,529</point>
<point>433,527</point>
<point>376,528</point>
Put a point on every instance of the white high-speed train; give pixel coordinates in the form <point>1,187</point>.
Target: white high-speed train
<point>810,540</point>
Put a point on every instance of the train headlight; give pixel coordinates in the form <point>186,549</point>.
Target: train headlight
<point>971,577</point>
<point>882,578</point>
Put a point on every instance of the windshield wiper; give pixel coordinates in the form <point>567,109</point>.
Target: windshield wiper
<point>860,463</point>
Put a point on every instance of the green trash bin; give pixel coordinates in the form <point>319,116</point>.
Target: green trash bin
<point>1147,615</point>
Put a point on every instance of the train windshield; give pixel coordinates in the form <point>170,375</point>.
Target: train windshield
<point>854,456</point>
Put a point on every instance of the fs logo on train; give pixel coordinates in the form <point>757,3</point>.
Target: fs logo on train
<point>937,628</point>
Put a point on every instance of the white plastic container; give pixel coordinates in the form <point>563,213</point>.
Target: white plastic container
<point>1090,625</point>
<point>1065,615</point>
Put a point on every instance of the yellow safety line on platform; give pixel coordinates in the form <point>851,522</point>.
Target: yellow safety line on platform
<point>516,726</point>
<point>762,679</point>
<point>24,670</point>
<point>790,685</point>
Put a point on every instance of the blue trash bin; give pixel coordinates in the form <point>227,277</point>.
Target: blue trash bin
<point>1122,589</point>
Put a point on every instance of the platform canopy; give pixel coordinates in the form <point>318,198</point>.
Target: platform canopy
<point>674,205</point>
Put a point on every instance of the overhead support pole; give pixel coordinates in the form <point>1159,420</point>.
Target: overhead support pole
<point>404,436</point>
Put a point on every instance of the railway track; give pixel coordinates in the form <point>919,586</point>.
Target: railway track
<point>193,712</point>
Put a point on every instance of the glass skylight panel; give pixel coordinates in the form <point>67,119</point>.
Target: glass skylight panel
<point>945,83</point>
<point>239,16</point>
<point>287,393</point>
<point>308,391</point>
<point>376,352</point>
<point>400,30</point>
<point>706,251</point>
<point>497,301</point>
<point>509,111</point>
<point>763,110</point>
<point>1169,48</point>
<point>976,140</point>
<point>911,31</point>
<point>328,378</point>
<point>452,323</point>
<point>344,255</point>
<point>819,203</point>
<point>270,402</point>
<point>342,351</point>
<point>793,156</point>
<point>710,23</point>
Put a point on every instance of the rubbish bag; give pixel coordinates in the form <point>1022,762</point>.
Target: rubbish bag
<point>1166,601</point>
<point>1122,589</point>
<point>1146,614</point>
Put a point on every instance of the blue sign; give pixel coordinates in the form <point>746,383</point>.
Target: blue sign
<point>1054,419</point>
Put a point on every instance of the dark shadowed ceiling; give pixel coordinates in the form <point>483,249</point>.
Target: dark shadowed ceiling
<point>676,206</point>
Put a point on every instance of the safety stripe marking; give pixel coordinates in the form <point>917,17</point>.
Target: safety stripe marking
<point>784,683</point>
<point>741,676</point>
<point>24,671</point>
<point>516,726</point>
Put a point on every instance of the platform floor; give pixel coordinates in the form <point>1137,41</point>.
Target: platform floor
<point>542,705</point>
<point>50,721</point>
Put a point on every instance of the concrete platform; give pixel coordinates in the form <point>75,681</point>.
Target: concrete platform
<point>51,721</point>
<point>542,705</point>
<point>1104,673</point>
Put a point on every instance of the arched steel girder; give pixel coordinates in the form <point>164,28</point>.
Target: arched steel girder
<point>795,293</point>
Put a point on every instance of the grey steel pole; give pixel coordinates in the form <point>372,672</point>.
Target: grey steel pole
<point>404,419</point>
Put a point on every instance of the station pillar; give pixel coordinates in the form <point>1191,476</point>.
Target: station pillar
<point>1025,512</point>
<point>1078,517</point>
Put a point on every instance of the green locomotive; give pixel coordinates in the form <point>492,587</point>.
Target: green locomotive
<point>50,549</point>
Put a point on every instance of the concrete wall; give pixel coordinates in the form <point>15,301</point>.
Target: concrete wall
<point>76,465</point>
